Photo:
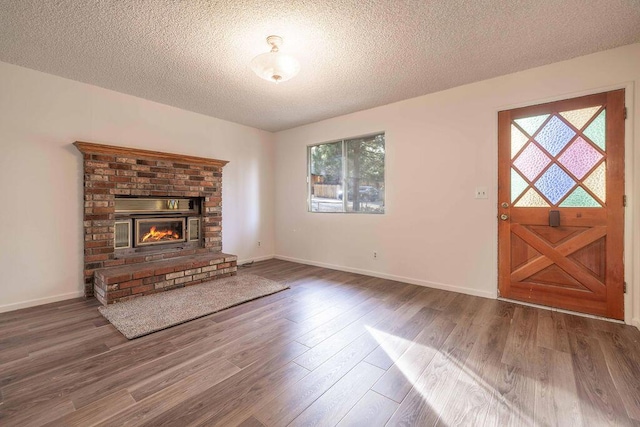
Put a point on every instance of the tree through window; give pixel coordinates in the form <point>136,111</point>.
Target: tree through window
<point>347,175</point>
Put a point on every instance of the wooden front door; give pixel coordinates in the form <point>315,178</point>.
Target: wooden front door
<point>560,204</point>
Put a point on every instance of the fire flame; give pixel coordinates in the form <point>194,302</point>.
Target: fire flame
<point>155,236</point>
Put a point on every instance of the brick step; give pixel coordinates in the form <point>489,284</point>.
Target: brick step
<point>122,283</point>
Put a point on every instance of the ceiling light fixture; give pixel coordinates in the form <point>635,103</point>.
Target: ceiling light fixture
<point>275,66</point>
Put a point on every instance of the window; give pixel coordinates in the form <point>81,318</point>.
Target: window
<point>347,175</point>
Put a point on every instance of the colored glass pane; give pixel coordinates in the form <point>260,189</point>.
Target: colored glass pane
<point>554,183</point>
<point>531,161</point>
<point>596,182</point>
<point>579,198</point>
<point>578,118</point>
<point>531,199</point>
<point>518,139</point>
<point>531,124</point>
<point>555,135</point>
<point>596,131</point>
<point>518,184</point>
<point>580,157</point>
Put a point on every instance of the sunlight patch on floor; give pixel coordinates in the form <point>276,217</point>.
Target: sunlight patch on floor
<point>437,383</point>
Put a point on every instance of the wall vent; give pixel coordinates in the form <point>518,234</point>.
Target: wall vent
<point>194,229</point>
<point>123,234</point>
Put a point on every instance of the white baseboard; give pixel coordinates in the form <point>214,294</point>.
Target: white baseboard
<point>39,301</point>
<point>636,322</point>
<point>442,286</point>
<point>256,259</point>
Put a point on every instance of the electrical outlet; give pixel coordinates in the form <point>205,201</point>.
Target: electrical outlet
<point>481,193</point>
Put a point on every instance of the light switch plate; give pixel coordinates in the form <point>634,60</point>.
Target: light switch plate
<point>481,193</point>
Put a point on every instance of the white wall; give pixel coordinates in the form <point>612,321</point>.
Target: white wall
<point>439,148</point>
<point>41,240</point>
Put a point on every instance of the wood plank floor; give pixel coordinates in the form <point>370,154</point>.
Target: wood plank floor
<point>335,349</point>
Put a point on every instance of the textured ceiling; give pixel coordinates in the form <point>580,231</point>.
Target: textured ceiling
<point>354,54</point>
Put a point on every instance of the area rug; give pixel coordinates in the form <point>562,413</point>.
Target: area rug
<point>151,313</point>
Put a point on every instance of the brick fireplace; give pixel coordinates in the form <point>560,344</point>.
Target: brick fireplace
<point>152,222</point>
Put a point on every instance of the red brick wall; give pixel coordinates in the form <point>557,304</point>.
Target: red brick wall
<point>108,176</point>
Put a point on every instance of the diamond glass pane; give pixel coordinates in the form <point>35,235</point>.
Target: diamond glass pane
<point>554,183</point>
<point>555,135</point>
<point>531,199</point>
<point>518,139</point>
<point>578,118</point>
<point>531,161</point>
<point>597,130</point>
<point>518,184</point>
<point>579,198</point>
<point>597,182</point>
<point>531,124</point>
<point>580,157</point>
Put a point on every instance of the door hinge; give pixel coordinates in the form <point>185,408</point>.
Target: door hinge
<point>624,200</point>
<point>625,113</point>
<point>624,287</point>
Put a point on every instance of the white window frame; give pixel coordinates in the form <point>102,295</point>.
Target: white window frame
<point>344,173</point>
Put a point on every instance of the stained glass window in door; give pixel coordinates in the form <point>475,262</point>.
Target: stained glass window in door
<point>531,124</point>
<point>531,161</point>
<point>518,185</point>
<point>580,157</point>
<point>579,198</point>
<point>578,118</point>
<point>563,162</point>
<point>555,135</point>
<point>518,139</point>
<point>596,182</point>
<point>554,183</point>
<point>531,199</point>
<point>596,131</point>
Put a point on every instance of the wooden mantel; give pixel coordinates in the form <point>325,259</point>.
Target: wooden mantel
<point>93,148</point>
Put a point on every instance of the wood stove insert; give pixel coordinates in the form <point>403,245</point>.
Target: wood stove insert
<point>145,224</point>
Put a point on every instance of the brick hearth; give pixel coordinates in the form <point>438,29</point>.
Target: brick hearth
<point>111,171</point>
<point>127,281</point>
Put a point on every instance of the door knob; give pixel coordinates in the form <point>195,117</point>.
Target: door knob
<point>504,217</point>
<point>505,204</point>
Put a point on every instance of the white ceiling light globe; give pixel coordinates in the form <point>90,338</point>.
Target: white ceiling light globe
<point>275,66</point>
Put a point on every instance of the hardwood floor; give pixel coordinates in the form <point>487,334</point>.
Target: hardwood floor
<point>335,349</point>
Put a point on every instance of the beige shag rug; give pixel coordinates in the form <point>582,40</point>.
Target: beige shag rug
<point>151,313</point>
